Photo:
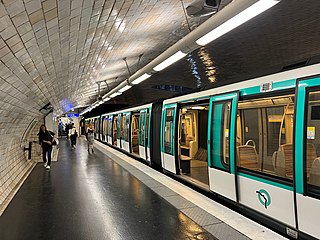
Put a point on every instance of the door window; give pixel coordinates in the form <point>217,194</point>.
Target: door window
<point>109,126</point>
<point>220,135</point>
<point>142,129</point>
<point>119,119</point>
<point>147,128</point>
<point>169,131</point>
<point>312,146</point>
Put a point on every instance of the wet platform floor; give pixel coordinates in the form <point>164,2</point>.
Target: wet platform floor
<point>89,196</point>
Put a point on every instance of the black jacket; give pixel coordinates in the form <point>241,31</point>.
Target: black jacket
<point>47,136</point>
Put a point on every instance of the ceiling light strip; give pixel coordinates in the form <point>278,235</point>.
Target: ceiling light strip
<point>170,60</point>
<point>125,88</point>
<point>237,20</point>
<point>141,78</point>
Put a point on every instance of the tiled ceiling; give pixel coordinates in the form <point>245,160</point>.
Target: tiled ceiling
<point>57,50</point>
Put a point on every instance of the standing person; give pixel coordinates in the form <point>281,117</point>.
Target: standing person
<point>67,130</point>
<point>90,137</point>
<point>73,136</point>
<point>45,140</point>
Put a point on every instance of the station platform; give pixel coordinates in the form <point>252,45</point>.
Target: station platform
<point>108,195</point>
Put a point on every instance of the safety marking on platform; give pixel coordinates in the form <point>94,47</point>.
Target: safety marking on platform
<point>223,231</point>
<point>200,216</point>
<point>179,202</point>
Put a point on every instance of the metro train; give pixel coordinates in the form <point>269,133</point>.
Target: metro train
<point>255,144</point>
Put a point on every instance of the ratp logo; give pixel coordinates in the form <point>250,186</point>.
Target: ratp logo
<point>264,197</point>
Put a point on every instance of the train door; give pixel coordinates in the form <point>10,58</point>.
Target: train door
<point>168,137</point>
<point>142,134</point>
<point>221,144</point>
<point>125,130</point>
<point>192,141</point>
<point>135,132</point>
<point>265,155</point>
<point>115,130</point>
<point>119,130</point>
<point>307,156</point>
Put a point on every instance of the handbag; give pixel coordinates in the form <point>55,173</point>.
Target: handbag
<point>55,141</point>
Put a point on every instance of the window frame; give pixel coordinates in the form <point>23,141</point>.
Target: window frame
<point>227,167</point>
<point>269,177</point>
<point>172,150</point>
<point>309,189</point>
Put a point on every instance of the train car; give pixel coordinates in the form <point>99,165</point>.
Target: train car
<point>255,144</point>
<point>129,130</point>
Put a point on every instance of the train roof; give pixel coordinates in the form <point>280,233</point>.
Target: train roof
<point>277,77</point>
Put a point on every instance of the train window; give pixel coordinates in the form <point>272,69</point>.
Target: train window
<point>147,127</point>
<point>109,118</point>
<point>119,121</point>
<point>142,129</point>
<point>105,126</point>
<point>312,152</point>
<point>220,135</point>
<point>169,131</point>
<point>127,127</point>
<point>125,120</point>
<point>265,135</point>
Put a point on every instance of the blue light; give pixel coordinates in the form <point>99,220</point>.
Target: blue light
<point>66,105</point>
<point>194,70</point>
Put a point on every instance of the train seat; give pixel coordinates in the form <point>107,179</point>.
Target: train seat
<point>311,156</point>
<point>283,160</point>
<point>315,172</point>
<point>247,156</point>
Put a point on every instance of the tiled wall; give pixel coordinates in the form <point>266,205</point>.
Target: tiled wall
<point>14,163</point>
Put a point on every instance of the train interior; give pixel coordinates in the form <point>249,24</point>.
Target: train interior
<point>192,144</point>
<point>114,133</point>
<point>264,140</point>
<point>135,132</point>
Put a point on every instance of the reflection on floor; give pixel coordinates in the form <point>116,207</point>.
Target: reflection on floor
<point>199,171</point>
<point>90,196</point>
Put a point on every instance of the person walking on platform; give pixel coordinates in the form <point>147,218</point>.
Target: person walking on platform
<point>73,136</point>
<point>45,140</point>
<point>90,137</point>
<point>67,130</point>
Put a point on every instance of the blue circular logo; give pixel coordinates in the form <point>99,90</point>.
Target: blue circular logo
<point>264,197</point>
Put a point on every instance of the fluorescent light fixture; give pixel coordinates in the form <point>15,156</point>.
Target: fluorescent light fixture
<point>115,94</point>
<point>125,88</point>
<point>198,107</point>
<point>141,78</point>
<point>236,21</point>
<point>170,60</point>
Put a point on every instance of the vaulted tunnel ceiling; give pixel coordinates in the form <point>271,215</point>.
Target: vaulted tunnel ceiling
<point>57,50</point>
